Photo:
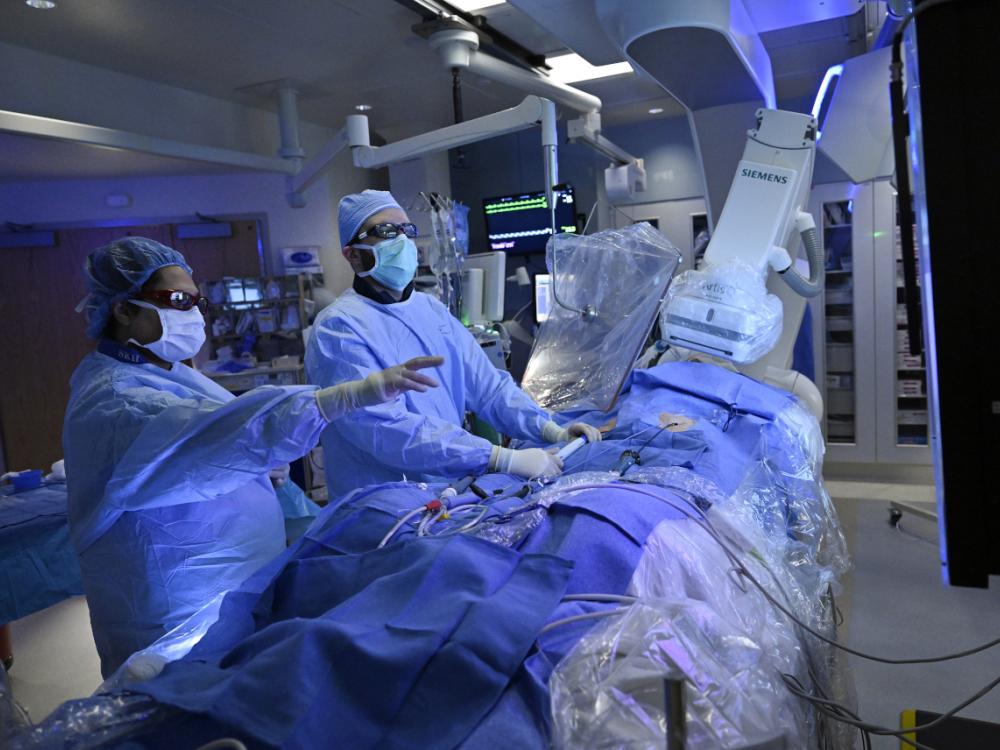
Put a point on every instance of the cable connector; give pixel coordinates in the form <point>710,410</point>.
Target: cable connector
<point>433,505</point>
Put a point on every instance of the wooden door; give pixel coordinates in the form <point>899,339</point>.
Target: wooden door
<point>42,337</point>
<point>213,258</point>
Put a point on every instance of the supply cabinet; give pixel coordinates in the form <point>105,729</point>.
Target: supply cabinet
<point>254,330</point>
<point>874,390</point>
<point>256,335</point>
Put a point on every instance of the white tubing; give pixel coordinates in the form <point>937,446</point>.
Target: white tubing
<point>399,525</point>
<point>570,448</point>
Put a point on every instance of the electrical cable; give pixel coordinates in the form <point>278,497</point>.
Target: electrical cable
<point>586,616</point>
<point>840,708</point>
<point>866,740</point>
<point>872,728</point>
<point>876,729</point>
<point>600,598</point>
<point>837,712</point>
<point>742,570</point>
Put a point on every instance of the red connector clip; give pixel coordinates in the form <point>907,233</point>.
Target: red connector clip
<point>433,505</point>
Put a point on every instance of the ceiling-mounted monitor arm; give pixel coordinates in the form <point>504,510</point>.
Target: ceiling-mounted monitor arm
<point>627,174</point>
<point>529,113</point>
<point>532,111</point>
<point>459,50</point>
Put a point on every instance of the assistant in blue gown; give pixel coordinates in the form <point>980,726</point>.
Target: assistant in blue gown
<point>170,502</point>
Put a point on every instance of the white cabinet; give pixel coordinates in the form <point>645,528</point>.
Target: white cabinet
<point>901,380</point>
<point>874,392</point>
<point>843,335</point>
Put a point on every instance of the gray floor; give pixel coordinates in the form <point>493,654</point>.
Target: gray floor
<point>896,605</point>
<point>55,658</point>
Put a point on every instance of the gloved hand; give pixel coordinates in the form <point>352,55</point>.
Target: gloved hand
<point>553,433</point>
<point>528,463</point>
<point>378,387</point>
<point>279,475</point>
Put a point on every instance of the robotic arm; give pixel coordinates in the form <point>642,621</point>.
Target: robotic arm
<point>724,309</point>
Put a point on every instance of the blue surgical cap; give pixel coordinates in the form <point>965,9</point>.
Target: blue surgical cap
<point>117,271</point>
<point>356,209</point>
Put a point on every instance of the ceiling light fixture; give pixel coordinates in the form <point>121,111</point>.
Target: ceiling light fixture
<point>655,110</point>
<point>41,4</point>
<point>572,68</point>
<point>470,6</point>
<point>362,107</point>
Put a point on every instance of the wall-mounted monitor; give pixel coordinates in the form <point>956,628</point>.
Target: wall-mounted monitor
<point>522,223</point>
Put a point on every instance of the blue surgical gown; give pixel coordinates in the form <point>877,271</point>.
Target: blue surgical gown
<point>418,435</point>
<point>170,502</point>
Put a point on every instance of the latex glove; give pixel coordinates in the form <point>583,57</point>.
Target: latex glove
<point>279,475</point>
<point>378,387</point>
<point>528,463</point>
<point>553,433</point>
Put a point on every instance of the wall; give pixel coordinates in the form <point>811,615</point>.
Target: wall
<point>40,84</point>
<point>672,169</point>
<point>511,164</point>
<point>79,202</point>
<point>673,218</point>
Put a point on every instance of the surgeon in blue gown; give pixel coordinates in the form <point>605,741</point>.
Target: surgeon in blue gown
<point>382,319</point>
<point>170,497</point>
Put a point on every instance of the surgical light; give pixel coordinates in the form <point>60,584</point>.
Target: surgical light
<point>362,107</point>
<point>41,4</point>
<point>571,68</point>
<point>655,110</point>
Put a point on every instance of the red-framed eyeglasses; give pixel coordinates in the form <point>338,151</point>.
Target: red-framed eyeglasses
<point>175,298</point>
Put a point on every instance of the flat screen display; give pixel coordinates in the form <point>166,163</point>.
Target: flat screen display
<point>521,223</point>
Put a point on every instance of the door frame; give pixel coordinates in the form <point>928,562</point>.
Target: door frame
<point>263,235</point>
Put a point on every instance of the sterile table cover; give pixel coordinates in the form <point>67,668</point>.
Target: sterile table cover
<point>748,458</point>
<point>407,646</point>
<point>39,566</point>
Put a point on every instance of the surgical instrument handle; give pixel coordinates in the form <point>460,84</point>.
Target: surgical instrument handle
<point>570,448</point>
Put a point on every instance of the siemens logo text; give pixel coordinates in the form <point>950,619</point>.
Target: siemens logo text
<point>766,176</point>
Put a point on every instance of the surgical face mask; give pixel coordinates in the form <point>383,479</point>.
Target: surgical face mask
<point>395,262</point>
<point>183,332</point>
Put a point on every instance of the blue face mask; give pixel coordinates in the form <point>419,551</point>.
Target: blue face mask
<point>395,262</point>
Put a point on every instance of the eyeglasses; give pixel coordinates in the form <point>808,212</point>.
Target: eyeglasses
<point>387,230</point>
<point>175,298</point>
